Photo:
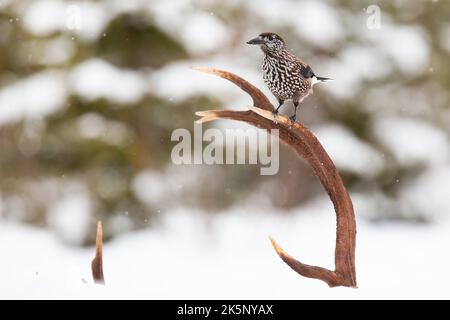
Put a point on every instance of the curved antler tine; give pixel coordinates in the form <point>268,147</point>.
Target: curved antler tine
<point>259,99</point>
<point>97,262</point>
<point>305,270</point>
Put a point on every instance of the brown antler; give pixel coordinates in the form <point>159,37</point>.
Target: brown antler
<point>306,145</point>
<point>97,262</point>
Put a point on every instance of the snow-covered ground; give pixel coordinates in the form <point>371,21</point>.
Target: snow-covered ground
<point>229,256</point>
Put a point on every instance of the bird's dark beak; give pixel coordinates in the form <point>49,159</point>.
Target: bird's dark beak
<point>256,40</point>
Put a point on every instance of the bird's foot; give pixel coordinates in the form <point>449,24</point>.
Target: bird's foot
<point>293,118</point>
<point>275,115</point>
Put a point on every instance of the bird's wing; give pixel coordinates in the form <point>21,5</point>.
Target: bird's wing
<point>306,71</point>
<point>303,68</point>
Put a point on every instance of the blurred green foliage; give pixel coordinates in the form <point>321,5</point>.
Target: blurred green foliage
<point>131,41</point>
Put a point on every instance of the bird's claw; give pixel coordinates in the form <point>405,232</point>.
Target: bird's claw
<point>293,118</point>
<point>275,115</point>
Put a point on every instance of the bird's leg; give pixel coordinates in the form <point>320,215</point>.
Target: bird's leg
<point>280,103</point>
<point>294,116</point>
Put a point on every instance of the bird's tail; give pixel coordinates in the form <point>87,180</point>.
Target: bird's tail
<point>323,79</point>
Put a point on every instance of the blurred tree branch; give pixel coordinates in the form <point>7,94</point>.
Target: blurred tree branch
<point>306,145</point>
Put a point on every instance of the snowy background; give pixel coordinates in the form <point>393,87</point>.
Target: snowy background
<point>90,92</point>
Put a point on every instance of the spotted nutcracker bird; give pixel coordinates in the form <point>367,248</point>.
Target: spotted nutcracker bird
<point>288,77</point>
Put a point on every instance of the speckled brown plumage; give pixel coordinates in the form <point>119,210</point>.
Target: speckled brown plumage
<point>287,76</point>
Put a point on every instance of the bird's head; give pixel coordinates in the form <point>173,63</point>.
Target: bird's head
<point>269,42</point>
